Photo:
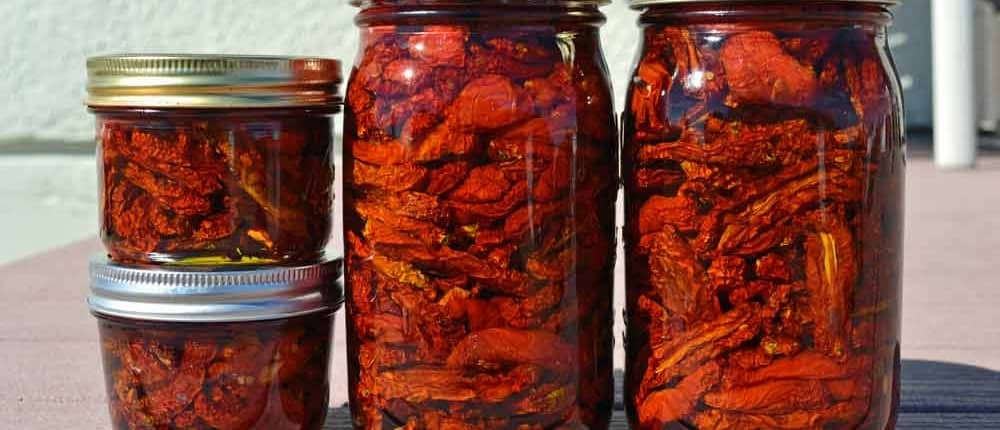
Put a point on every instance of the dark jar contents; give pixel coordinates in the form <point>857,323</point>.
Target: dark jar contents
<point>480,181</point>
<point>763,162</point>
<point>220,174</point>
<point>215,188</point>
<point>227,376</point>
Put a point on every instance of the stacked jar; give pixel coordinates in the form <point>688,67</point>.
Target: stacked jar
<point>480,182</point>
<point>215,301</point>
<point>764,162</point>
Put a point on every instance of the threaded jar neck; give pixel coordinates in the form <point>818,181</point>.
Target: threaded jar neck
<point>508,12</point>
<point>813,13</point>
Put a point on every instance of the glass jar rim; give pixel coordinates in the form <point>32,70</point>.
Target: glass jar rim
<point>524,3</point>
<point>212,81</point>
<point>641,4</point>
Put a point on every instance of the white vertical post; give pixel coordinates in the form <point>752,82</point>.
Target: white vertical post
<point>954,83</point>
<point>987,103</point>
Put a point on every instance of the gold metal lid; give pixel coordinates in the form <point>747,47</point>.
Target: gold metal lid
<point>211,81</point>
<point>639,4</point>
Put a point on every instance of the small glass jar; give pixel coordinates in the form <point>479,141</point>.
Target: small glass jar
<point>211,349</point>
<point>208,160</point>
<point>763,164</point>
<point>480,176</point>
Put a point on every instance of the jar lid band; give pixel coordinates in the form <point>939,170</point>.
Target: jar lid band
<point>212,81</point>
<point>173,294</point>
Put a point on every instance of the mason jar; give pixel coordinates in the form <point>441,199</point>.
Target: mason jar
<point>236,349</point>
<point>209,160</point>
<point>763,164</point>
<point>480,173</point>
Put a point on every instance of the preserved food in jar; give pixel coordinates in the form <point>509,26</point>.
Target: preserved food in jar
<point>480,180</point>
<point>189,349</point>
<point>253,375</point>
<point>763,166</point>
<point>212,172</point>
<point>205,188</point>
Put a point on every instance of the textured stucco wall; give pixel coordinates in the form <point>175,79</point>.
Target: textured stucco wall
<point>43,44</point>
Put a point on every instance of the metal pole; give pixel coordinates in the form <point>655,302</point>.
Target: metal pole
<point>954,83</point>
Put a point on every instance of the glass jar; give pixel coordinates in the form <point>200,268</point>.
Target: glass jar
<point>222,350</point>
<point>208,160</point>
<point>764,159</point>
<point>480,180</point>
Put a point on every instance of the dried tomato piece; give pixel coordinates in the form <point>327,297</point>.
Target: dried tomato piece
<point>679,212</point>
<point>445,178</point>
<point>533,138</point>
<point>735,144</point>
<point>774,397</point>
<point>482,184</point>
<point>395,177</point>
<point>773,267</point>
<point>552,90</point>
<point>678,276</point>
<point>491,102</point>
<point>759,70</point>
<point>439,45</point>
<point>727,272</point>
<point>520,60</point>
<point>673,404</point>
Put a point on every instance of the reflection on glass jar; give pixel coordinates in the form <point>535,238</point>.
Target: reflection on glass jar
<point>480,180</point>
<point>215,160</point>
<point>763,163</point>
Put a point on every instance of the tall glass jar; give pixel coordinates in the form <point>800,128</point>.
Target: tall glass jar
<point>480,180</point>
<point>764,162</point>
<point>208,160</point>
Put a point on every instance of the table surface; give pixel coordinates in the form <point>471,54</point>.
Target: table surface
<point>52,378</point>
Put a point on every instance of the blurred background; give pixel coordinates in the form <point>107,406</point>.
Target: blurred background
<point>49,185</point>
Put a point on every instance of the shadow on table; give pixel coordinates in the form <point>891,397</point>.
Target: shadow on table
<point>936,395</point>
<point>940,395</point>
<point>935,386</point>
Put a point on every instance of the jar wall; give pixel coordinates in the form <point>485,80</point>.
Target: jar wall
<point>480,180</point>
<point>763,166</point>
<point>215,187</point>
<point>248,375</point>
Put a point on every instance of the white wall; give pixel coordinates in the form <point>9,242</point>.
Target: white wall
<point>43,44</point>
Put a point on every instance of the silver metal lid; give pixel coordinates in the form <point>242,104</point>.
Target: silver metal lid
<point>198,295</point>
<point>639,4</point>
<point>212,81</point>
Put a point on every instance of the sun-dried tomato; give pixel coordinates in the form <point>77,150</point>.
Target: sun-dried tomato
<point>763,188</point>
<point>759,70</point>
<point>219,376</point>
<point>216,188</point>
<point>479,251</point>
